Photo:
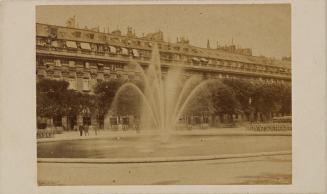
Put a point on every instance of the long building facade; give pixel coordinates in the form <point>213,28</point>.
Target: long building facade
<point>84,57</point>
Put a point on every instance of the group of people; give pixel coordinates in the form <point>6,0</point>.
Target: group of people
<point>85,129</point>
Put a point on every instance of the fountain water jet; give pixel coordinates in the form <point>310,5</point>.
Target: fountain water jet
<point>164,101</point>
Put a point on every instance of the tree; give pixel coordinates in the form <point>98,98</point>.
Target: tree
<point>128,102</point>
<point>54,99</point>
<point>201,100</point>
<point>244,91</point>
<point>271,98</point>
<point>225,101</point>
<point>105,92</point>
<point>50,97</point>
<point>286,101</point>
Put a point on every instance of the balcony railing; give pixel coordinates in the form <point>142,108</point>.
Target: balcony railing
<point>167,62</point>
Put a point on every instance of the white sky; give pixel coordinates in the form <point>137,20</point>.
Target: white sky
<point>264,28</point>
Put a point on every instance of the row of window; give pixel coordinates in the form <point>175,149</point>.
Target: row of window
<point>54,31</point>
<point>127,41</point>
<point>113,67</point>
<point>49,62</point>
<point>88,47</point>
<point>80,84</point>
<point>169,56</point>
<point>86,83</point>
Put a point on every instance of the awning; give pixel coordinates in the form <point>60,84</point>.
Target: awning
<point>204,60</point>
<point>135,53</point>
<point>54,44</point>
<point>71,44</point>
<point>195,59</point>
<point>124,51</point>
<point>85,46</point>
<point>112,49</point>
<point>41,43</point>
<point>100,64</point>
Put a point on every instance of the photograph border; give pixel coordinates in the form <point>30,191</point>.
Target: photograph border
<point>18,145</point>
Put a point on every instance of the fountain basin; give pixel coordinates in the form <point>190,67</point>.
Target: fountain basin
<point>150,149</point>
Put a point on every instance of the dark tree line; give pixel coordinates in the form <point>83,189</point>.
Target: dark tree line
<point>256,99</point>
<point>53,98</point>
<point>264,98</point>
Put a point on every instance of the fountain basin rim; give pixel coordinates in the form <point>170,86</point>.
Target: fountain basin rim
<point>159,159</point>
<point>46,140</point>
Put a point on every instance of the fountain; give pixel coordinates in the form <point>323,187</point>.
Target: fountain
<point>164,97</point>
<point>164,101</point>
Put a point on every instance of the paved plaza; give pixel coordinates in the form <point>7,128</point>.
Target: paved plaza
<point>272,166</point>
<point>254,170</point>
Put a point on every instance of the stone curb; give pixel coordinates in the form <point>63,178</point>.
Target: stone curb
<point>158,159</point>
<point>113,136</point>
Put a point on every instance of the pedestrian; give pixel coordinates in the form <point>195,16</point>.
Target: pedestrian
<point>86,130</point>
<point>95,130</point>
<point>80,128</point>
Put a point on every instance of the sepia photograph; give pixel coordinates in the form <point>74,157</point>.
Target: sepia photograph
<point>163,97</point>
<point>164,94</point>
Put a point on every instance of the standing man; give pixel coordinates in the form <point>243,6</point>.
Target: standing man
<point>80,128</point>
<point>95,129</point>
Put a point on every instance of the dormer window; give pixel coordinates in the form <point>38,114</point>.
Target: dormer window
<point>112,49</point>
<point>55,44</point>
<point>85,46</point>
<point>41,42</point>
<point>90,36</point>
<point>102,37</point>
<point>124,51</point>
<point>135,53</point>
<point>53,32</point>
<point>77,34</point>
<point>71,44</point>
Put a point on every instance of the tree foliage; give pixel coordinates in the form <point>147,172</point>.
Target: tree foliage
<point>262,97</point>
<point>105,92</point>
<point>128,102</point>
<point>53,98</point>
<point>224,100</point>
<point>229,96</point>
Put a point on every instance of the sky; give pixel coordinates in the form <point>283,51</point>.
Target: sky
<point>265,28</point>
